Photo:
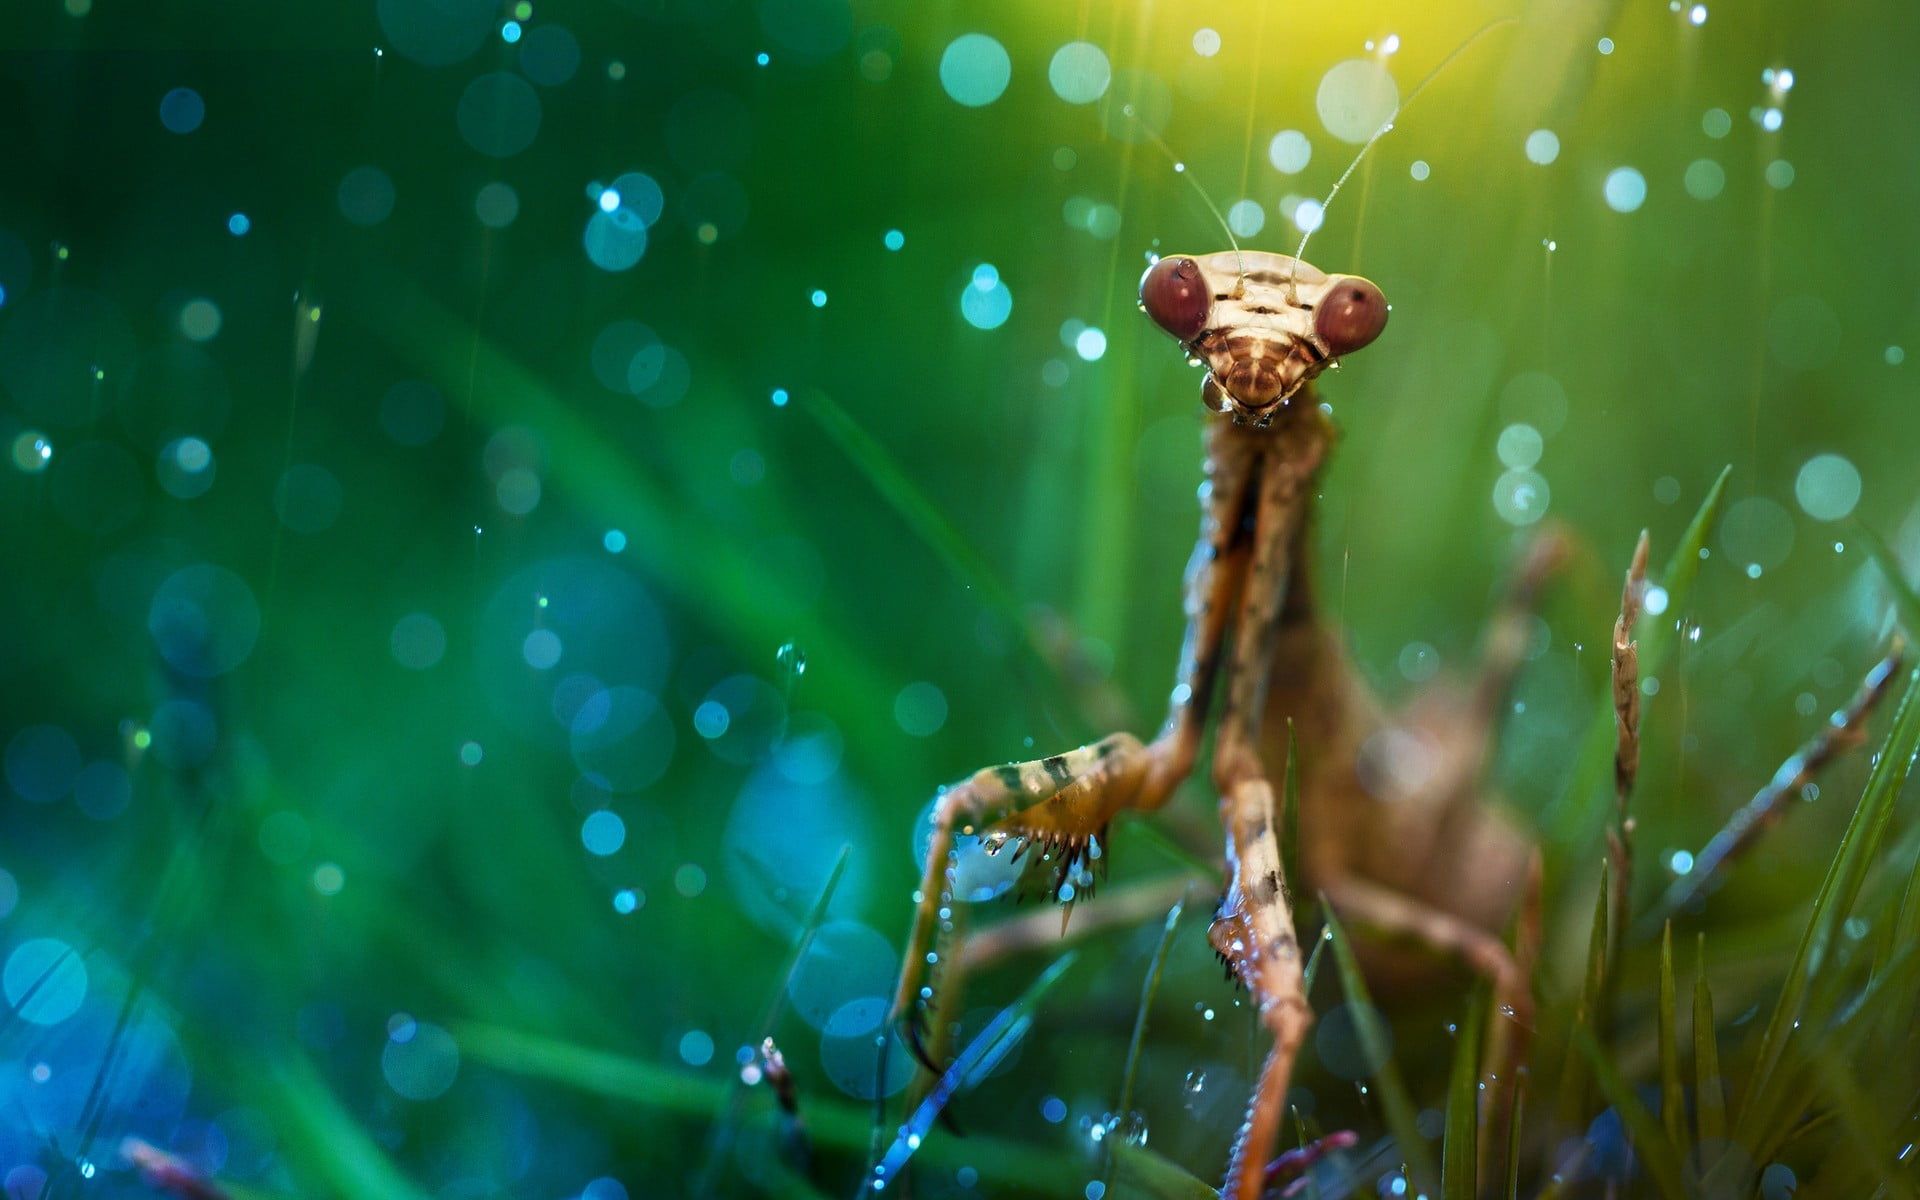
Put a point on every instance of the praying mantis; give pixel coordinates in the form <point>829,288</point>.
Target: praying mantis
<point>1391,830</point>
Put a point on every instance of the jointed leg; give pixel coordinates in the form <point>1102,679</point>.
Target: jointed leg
<point>1511,629</point>
<point>1253,930</point>
<point>1509,1026</point>
<point>1064,804</point>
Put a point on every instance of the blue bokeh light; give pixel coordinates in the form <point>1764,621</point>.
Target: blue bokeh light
<point>182,110</point>
<point>603,832</point>
<point>986,302</point>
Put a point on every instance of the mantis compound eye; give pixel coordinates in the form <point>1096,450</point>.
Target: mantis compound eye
<point>1174,293</point>
<point>1352,314</point>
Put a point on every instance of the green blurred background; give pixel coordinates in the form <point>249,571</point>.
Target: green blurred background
<point>496,496</point>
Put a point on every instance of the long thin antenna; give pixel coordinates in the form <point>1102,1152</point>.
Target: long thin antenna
<point>1180,168</point>
<point>1386,127</point>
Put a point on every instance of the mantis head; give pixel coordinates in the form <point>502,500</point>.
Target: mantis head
<point>1262,324</point>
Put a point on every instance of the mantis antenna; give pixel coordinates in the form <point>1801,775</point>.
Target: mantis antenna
<point>1386,127</point>
<point>1180,168</point>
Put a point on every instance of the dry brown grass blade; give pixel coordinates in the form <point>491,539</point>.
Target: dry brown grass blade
<point>1845,731</point>
<point>1626,751</point>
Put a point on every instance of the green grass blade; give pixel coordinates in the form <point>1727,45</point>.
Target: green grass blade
<point>1906,924</point>
<point>1656,1153</point>
<point>1140,1174</point>
<point>1858,845</point>
<point>1863,1123</point>
<point>1673,1099</point>
<point>1147,991</point>
<point>928,522</point>
<point>648,1089</point>
<point>970,1066</point>
<point>1151,833</point>
<point>1460,1150</point>
<point>1313,966</point>
<point>701,567</point>
<point>1573,821</point>
<point>1906,927</point>
<point>1374,1043</point>
<point>1515,1126</point>
<point>1905,601</point>
<point>1709,1090</point>
<point>1574,1077</point>
<point>329,1140</point>
<point>1678,577</point>
<point>1882,1005</point>
<point>720,1138</point>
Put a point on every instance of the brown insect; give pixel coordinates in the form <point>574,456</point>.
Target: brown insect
<point>1391,831</point>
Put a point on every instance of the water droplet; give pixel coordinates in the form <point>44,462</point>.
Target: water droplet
<point>792,659</point>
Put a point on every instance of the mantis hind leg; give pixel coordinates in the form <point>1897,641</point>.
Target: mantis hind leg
<point>1383,911</point>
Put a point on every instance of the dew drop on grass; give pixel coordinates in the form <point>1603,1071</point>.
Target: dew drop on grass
<point>792,659</point>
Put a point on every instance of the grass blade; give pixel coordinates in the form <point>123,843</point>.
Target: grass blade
<point>1709,1090</point>
<point>1514,1127</point>
<point>1863,1123</point>
<point>1655,1151</point>
<point>648,1088</point>
<point>1571,820</point>
<point>1313,965</point>
<point>1151,986</point>
<point>721,1136</point>
<point>329,1139</point>
<point>1842,732</point>
<point>1906,925</point>
<point>920,513</point>
<point>1574,1077</point>
<point>1858,845</point>
<point>1673,1098</point>
<point>1682,568</point>
<point>1374,1044</point>
<point>1905,601</point>
<point>972,1063</point>
<point>1139,1172</point>
<point>702,568</point>
<point>1460,1150</point>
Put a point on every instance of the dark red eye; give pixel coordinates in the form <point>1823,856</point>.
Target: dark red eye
<point>1174,294</point>
<point>1352,314</point>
